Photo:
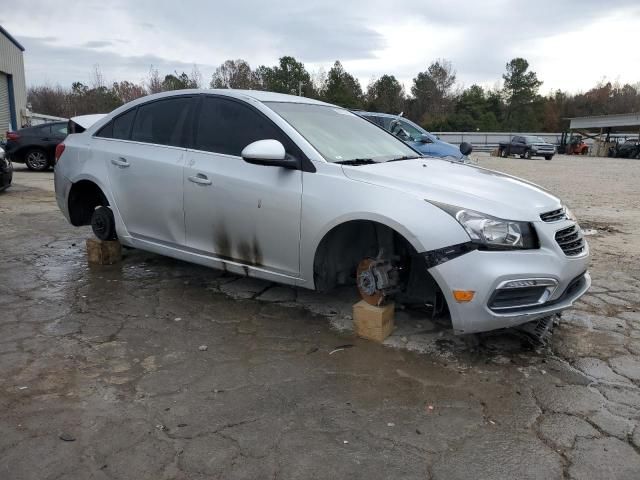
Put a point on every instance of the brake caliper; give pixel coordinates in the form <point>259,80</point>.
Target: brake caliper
<point>377,279</point>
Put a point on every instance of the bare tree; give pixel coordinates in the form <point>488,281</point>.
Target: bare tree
<point>319,81</point>
<point>97,77</point>
<point>127,91</point>
<point>234,74</point>
<point>49,100</point>
<point>196,77</point>
<point>154,81</point>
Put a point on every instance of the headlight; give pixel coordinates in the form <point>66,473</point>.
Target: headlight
<point>569,214</point>
<point>492,232</point>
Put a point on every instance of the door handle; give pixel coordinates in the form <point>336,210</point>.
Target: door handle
<point>200,179</point>
<point>120,162</point>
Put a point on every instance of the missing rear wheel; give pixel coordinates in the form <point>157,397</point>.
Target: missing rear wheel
<point>103,224</point>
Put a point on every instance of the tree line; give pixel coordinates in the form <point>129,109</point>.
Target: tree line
<point>434,100</point>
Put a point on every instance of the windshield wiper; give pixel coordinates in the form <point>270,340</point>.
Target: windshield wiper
<point>357,161</point>
<point>404,158</point>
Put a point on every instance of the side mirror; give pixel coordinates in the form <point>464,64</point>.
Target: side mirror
<point>465,148</point>
<point>270,153</point>
<point>425,139</point>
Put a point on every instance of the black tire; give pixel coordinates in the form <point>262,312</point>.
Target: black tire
<point>103,224</point>
<point>548,157</point>
<point>36,160</point>
<point>527,154</point>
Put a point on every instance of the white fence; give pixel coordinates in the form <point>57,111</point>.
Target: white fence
<point>486,141</point>
<point>40,118</point>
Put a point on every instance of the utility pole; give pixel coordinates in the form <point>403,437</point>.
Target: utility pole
<point>299,89</point>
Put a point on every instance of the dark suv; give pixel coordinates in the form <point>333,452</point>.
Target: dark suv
<point>36,146</point>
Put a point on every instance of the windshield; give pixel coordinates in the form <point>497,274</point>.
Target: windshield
<point>340,135</point>
<point>407,131</point>
<point>534,140</point>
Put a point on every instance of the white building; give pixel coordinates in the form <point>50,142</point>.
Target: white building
<point>13,89</point>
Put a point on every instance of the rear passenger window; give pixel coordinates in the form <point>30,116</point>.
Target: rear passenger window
<point>59,129</point>
<point>162,122</point>
<point>122,125</point>
<point>119,127</point>
<point>227,126</point>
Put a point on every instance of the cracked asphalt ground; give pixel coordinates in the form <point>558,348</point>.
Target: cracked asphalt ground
<point>104,372</point>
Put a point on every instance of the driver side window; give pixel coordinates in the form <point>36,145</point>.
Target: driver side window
<point>227,126</point>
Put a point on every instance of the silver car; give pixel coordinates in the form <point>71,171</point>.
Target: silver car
<point>304,193</point>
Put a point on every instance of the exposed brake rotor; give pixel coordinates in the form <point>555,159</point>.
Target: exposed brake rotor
<point>376,280</point>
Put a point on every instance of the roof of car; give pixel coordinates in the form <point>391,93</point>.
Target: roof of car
<point>258,95</point>
<point>255,95</point>
<point>377,114</point>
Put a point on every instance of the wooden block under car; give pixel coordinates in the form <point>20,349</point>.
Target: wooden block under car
<point>371,322</point>
<point>101,252</point>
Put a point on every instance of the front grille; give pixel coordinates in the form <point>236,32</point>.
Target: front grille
<point>553,215</point>
<point>571,240</point>
<point>513,300</point>
<point>516,297</point>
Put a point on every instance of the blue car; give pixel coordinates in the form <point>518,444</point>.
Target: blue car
<point>416,136</point>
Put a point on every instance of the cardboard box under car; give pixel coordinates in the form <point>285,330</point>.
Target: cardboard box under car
<point>101,252</point>
<point>373,323</point>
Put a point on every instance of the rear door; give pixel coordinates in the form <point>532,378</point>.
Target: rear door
<point>517,145</point>
<point>145,158</point>
<point>236,211</point>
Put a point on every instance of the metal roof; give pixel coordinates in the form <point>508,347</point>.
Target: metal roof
<point>605,121</point>
<point>11,39</point>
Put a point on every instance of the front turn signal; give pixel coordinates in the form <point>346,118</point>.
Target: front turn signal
<point>463,296</point>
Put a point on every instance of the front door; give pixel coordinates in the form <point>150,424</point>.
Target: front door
<point>235,211</point>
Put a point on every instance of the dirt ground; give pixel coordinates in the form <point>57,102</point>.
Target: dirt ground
<point>159,369</point>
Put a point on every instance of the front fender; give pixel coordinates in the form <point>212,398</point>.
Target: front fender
<point>330,199</point>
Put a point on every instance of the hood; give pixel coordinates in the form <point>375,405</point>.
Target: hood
<point>438,148</point>
<point>462,185</point>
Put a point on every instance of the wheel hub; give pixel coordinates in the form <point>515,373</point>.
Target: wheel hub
<point>367,282</point>
<point>99,225</point>
<point>37,159</point>
<point>376,279</point>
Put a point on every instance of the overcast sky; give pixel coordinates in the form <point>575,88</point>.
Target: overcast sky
<point>571,44</point>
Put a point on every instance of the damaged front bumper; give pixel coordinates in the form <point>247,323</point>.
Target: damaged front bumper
<point>511,287</point>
